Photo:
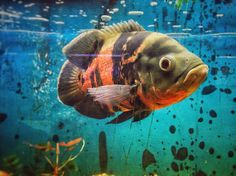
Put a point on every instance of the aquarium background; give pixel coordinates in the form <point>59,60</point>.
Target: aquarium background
<point>194,137</point>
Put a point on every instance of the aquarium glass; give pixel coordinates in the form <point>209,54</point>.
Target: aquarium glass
<point>196,136</point>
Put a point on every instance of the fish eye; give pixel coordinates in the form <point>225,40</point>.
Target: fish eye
<point>167,63</point>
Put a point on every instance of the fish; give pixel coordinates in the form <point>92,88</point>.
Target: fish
<point>124,68</point>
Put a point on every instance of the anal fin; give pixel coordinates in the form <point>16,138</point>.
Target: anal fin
<point>90,108</point>
<point>137,116</point>
<point>141,115</point>
<point>122,117</point>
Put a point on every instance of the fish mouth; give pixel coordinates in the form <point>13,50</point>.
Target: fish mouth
<point>194,77</point>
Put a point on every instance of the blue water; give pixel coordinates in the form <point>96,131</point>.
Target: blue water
<point>32,35</point>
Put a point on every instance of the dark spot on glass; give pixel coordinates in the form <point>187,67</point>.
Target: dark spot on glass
<point>191,99</point>
<point>173,150</point>
<point>227,1</point>
<point>200,173</point>
<point>61,125</point>
<point>17,136</point>
<point>172,129</point>
<point>174,166</point>
<point>202,145</point>
<point>201,110</point>
<point>210,121</point>
<point>192,143</point>
<point>2,51</point>
<point>200,119</point>
<point>55,138</point>
<point>208,89</point>
<point>225,70</point>
<point>189,16</point>
<point>191,157</point>
<point>22,118</point>
<point>218,157</point>
<point>19,84</point>
<point>228,91</point>
<point>211,151</point>
<point>191,130</point>
<point>213,57</point>
<point>174,116</point>
<point>187,167</point>
<point>234,99</point>
<point>182,154</point>
<point>230,154</point>
<point>214,71</point>
<point>3,117</point>
<point>234,167</point>
<point>213,114</point>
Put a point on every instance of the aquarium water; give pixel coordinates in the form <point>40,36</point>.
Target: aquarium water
<point>195,137</point>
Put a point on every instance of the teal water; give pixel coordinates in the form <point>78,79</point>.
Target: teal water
<point>194,137</point>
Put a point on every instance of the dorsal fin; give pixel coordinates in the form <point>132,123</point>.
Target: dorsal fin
<point>84,43</point>
<point>81,50</point>
<point>122,27</point>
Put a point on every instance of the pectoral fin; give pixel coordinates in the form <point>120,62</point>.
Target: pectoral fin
<point>111,94</point>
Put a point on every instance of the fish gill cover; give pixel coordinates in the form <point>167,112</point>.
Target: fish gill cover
<point>191,137</point>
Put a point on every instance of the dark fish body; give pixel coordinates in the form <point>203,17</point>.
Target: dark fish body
<point>125,68</point>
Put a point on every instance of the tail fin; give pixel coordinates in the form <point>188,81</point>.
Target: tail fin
<point>69,91</point>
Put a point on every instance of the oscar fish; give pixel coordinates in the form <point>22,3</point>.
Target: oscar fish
<point>124,68</point>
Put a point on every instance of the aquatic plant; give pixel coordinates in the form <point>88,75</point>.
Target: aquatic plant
<point>179,3</point>
<point>57,165</point>
<point>10,163</point>
<point>103,174</point>
<point>3,173</point>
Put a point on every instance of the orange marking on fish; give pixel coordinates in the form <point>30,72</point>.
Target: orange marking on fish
<point>104,65</point>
